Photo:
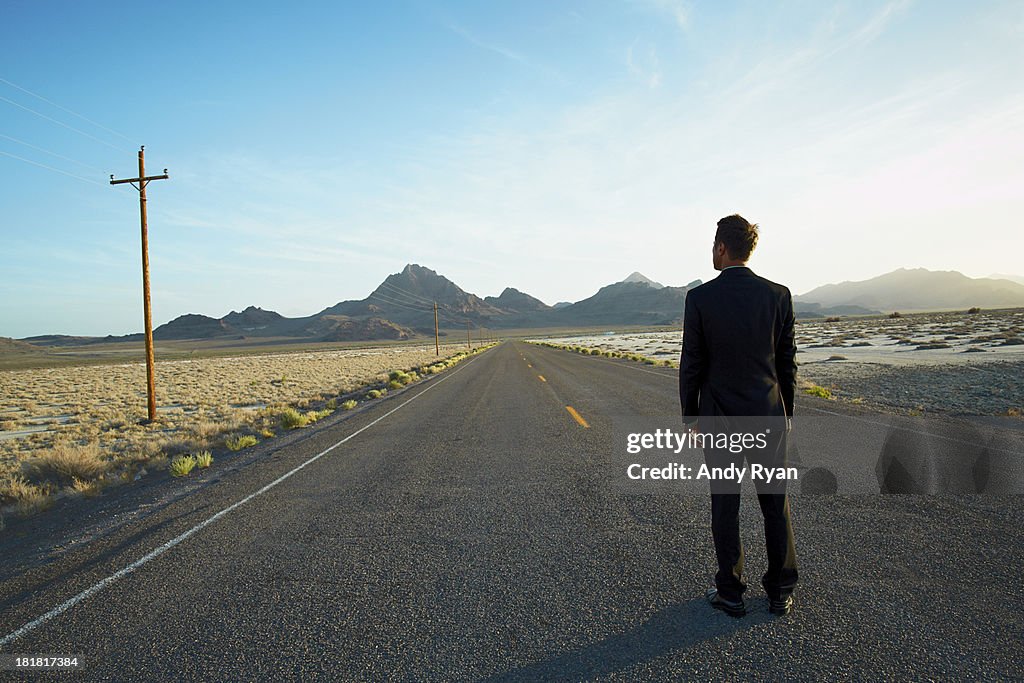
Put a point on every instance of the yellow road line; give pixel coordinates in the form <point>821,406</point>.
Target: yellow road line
<point>528,365</point>
<point>541,378</point>
<point>576,416</point>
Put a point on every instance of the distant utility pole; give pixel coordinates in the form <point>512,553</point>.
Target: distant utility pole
<point>142,181</point>
<point>469,345</point>
<point>437,344</point>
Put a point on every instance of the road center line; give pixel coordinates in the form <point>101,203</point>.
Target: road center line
<point>541,378</point>
<point>160,550</point>
<point>576,416</point>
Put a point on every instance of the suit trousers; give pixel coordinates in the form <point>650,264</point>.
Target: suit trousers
<point>781,577</point>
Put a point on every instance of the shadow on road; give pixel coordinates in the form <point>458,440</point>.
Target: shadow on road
<point>63,571</point>
<point>679,627</point>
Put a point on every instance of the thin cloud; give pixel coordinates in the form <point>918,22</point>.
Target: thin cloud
<point>505,52</point>
<point>497,49</point>
<point>676,9</point>
<point>877,24</point>
<point>650,73</point>
<point>777,70</point>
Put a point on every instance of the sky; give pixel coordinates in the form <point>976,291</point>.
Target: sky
<point>555,147</point>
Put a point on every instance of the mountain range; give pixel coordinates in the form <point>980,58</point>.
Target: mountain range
<point>402,306</point>
<point>919,289</point>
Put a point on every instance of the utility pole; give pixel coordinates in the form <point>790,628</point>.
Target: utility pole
<point>142,181</point>
<point>437,344</point>
<point>468,344</point>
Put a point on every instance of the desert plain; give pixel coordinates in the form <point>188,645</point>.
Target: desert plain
<point>91,417</point>
<point>954,362</point>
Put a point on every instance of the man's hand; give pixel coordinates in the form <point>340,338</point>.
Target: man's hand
<point>691,427</point>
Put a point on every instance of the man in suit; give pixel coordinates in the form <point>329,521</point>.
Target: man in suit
<point>738,373</point>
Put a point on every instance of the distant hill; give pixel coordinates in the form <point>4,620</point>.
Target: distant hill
<point>918,290</point>
<point>514,301</point>
<point>192,326</point>
<point>1019,279</point>
<point>408,298</point>
<point>252,319</point>
<point>45,340</point>
<point>804,309</point>
<point>342,328</point>
<point>12,347</point>
<point>402,306</point>
<point>626,303</point>
<point>643,279</point>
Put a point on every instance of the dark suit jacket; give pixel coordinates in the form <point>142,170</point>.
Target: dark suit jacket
<point>739,351</point>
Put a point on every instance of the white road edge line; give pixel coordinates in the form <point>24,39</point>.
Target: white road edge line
<point>121,573</point>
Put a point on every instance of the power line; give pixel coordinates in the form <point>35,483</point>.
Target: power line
<point>451,316</point>
<point>51,168</point>
<point>412,307</point>
<point>416,302</point>
<point>46,151</point>
<point>395,302</point>
<point>73,113</point>
<point>396,288</point>
<point>392,302</point>
<point>455,318</point>
<point>60,123</point>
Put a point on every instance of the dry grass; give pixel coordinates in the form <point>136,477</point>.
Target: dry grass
<point>199,400</point>
<point>85,488</point>
<point>26,496</point>
<point>66,463</point>
<point>89,420</point>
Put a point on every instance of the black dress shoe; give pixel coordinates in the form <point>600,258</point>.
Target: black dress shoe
<point>730,607</point>
<point>781,607</point>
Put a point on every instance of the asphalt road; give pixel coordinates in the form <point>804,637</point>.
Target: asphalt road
<point>472,527</point>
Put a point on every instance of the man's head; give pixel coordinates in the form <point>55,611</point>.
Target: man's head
<point>734,241</point>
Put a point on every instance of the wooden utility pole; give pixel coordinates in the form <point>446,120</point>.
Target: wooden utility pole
<point>142,181</point>
<point>437,344</point>
<point>468,344</point>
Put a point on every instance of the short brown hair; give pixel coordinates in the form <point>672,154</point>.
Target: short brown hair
<point>738,235</point>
